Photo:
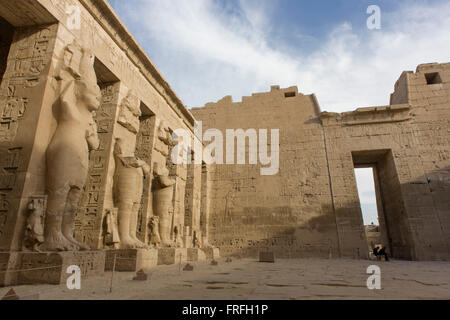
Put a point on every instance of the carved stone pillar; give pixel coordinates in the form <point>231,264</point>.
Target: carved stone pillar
<point>205,205</point>
<point>193,203</point>
<point>23,127</point>
<point>144,147</point>
<point>93,206</point>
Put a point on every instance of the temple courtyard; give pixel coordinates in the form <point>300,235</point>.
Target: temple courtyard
<point>244,279</point>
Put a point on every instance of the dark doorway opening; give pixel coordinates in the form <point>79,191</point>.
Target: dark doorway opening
<point>6,37</point>
<point>392,230</point>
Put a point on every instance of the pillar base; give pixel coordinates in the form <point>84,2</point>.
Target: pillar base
<point>195,254</point>
<point>212,253</point>
<point>131,260</point>
<point>49,267</point>
<point>172,255</point>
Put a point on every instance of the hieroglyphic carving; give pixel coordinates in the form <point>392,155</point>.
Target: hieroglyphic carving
<point>11,112</point>
<point>111,234</point>
<point>29,55</point>
<point>4,210</point>
<point>34,229</point>
<point>9,165</point>
<point>144,147</point>
<point>89,216</point>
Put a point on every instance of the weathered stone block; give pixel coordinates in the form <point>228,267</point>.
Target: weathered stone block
<point>211,253</point>
<point>195,254</point>
<point>50,268</point>
<point>172,255</point>
<point>131,259</point>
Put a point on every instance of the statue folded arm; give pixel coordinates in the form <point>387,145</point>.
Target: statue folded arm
<point>165,181</point>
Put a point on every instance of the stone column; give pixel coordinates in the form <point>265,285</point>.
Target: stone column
<point>91,213</point>
<point>204,205</point>
<point>192,204</point>
<point>144,146</point>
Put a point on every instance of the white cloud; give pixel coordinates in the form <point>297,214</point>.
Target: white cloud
<point>366,185</point>
<point>206,52</point>
<point>366,191</point>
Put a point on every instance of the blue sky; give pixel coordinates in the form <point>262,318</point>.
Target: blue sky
<point>207,49</point>
<point>366,190</point>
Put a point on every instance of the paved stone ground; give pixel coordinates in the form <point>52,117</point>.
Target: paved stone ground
<point>248,279</point>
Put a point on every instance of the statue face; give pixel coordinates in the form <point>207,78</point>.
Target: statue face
<point>91,96</point>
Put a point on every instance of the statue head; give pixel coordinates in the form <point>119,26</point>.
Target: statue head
<point>87,90</point>
<point>88,93</point>
<point>78,68</point>
<point>132,103</point>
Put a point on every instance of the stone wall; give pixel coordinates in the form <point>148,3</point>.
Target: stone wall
<point>291,212</point>
<point>311,207</point>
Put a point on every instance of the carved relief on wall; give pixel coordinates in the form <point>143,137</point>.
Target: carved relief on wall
<point>34,229</point>
<point>4,210</point>
<point>29,55</point>
<point>155,238</point>
<point>11,111</point>
<point>9,165</point>
<point>110,225</point>
<point>89,216</point>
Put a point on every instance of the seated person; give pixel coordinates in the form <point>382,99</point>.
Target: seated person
<point>375,251</point>
<point>382,252</point>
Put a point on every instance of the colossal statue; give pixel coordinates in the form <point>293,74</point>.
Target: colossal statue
<point>162,200</point>
<point>128,189</point>
<point>67,154</point>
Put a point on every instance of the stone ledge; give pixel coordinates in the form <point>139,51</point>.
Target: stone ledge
<point>195,254</point>
<point>171,255</point>
<point>50,267</point>
<point>131,260</point>
<point>211,253</point>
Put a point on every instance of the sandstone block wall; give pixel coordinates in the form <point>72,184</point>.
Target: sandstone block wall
<point>290,212</point>
<point>311,207</point>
